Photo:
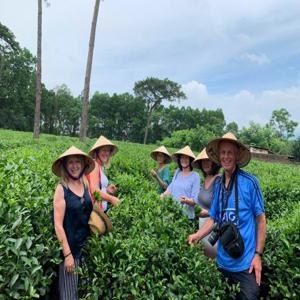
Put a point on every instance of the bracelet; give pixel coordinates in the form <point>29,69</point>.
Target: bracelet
<point>68,254</point>
<point>258,253</point>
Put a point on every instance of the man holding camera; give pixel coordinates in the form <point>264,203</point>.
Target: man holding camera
<point>237,217</point>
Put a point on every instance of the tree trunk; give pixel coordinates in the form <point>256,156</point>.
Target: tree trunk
<point>38,88</point>
<point>86,90</point>
<point>147,127</point>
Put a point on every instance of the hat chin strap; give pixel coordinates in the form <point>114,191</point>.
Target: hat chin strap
<point>73,177</point>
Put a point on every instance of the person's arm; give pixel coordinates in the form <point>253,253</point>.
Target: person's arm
<point>161,183</point>
<point>260,243</point>
<point>94,186</point>
<point>258,209</point>
<point>59,205</point>
<point>202,232</point>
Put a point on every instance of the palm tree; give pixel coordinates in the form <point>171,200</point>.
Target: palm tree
<point>86,90</point>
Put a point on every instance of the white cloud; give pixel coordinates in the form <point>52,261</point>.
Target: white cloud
<point>245,106</point>
<point>260,59</point>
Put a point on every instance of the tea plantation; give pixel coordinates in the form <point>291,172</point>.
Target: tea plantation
<point>146,256</point>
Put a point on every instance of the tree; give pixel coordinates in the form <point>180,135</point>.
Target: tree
<point>281,123</point>
<point>153,91</point>
<point>232,127</point>
<point>38,89</point>
<point>296,148</point>
<point>86,89</point>
<point>120,116</point>
<point>16,83</point>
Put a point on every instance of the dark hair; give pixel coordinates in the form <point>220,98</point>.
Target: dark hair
<point>214,168</point>
<point>179,164</point>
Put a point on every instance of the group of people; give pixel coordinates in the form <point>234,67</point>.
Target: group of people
<point>232,223</point>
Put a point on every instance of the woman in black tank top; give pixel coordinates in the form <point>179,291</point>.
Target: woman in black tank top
<point>72,208</point>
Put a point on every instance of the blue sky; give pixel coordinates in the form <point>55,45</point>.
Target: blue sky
<point>239,55</point>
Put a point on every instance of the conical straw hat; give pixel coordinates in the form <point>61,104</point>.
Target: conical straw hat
<point>163,150</point>
<point>88,161</point>
<point>103,141</point>
<point>184,151</point>
<point>212,149</point>
<point>201,156</point>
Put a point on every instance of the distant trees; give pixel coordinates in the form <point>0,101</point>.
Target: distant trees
<point>153,91</point>
<point>17,84</point>
<point>281,123</point>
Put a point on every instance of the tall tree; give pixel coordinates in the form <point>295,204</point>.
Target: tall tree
<point>86,89</point>
<point>38,89</point>
<point>280,121</point>
<point>153,91</point>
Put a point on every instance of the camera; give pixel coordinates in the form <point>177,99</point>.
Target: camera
<point>214,235</point>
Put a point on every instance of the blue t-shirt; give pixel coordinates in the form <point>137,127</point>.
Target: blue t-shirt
<point>250,206</point>
<point>104,185</point>
<point>188,186</point>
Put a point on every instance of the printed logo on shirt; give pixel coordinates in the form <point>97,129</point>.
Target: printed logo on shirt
<point>229,215</point>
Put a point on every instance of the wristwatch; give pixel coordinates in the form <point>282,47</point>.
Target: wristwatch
<point>258,253</point>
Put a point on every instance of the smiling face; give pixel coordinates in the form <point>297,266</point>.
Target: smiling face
<point>184,161</point>
<point>228,155</point>
<point>161,158</point>
<point>206,166</point>
<point>104,154</point>
<point>74,165</point>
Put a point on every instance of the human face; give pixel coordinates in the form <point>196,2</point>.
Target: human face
<point>74,165</point>
<point>160,157</point>
<point>206,166</point>
<point>228,155</point>
<point>184,161</point>
<point>104,154</point>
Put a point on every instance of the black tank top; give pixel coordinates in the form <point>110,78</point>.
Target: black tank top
<point>77,214</point>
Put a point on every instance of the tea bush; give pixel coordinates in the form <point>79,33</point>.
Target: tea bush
<point>146,256</point>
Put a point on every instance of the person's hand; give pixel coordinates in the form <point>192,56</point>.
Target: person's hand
<point>111,189</point>
<point>69,263</point>
<point>153,173</point>
<point>182,200</point>
<point>186,200</point>
<point>114,200</point>
<point>162,196</point>
<point>256,265</point>
<point>193,238</point>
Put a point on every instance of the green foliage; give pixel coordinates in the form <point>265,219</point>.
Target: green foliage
<point>282,257</point>
<point>196,138</point>
<point>153,91</point>
<point>281,123</point>
<point>146,256</point>
<point>296,148</point>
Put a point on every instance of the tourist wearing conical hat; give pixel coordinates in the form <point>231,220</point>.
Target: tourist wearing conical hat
<point>101,152</point>
<point>162,173</point>
<point>185,185</point>
<point>237,217</point>
<point>210,172</point>
<point>72,208</point>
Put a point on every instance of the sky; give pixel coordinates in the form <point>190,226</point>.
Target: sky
<point>242,56</point>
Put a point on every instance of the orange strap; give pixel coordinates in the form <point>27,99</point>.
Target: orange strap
<point>88,177</point>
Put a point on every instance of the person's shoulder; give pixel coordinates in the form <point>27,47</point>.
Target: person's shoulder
<point>247,177</point>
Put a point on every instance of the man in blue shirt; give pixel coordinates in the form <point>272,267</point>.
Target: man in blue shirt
<point>248,216</point>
